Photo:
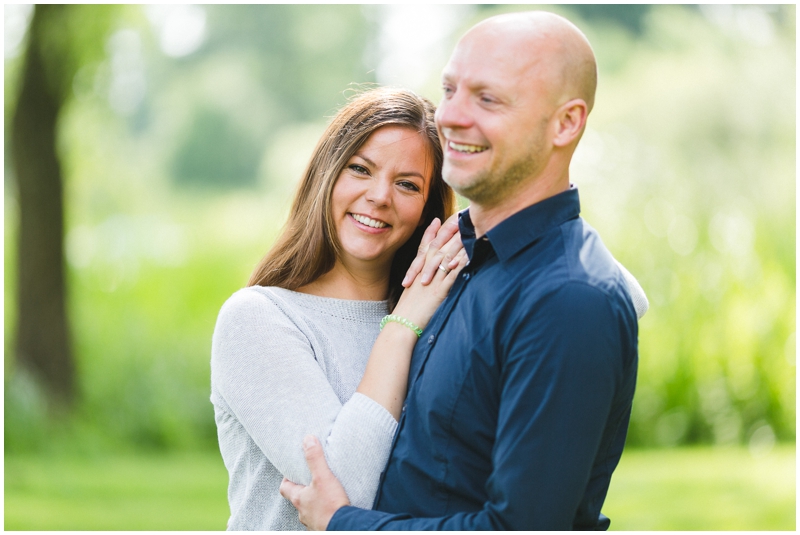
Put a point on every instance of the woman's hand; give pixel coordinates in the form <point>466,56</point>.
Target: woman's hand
<point>420,299</point>
<point>436,248</point>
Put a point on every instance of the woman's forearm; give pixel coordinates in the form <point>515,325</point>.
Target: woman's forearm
<point>386,376</point>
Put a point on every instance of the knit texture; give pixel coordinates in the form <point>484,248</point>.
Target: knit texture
<point>284,365</point>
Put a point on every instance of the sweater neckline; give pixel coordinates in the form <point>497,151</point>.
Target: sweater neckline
<point>351,307</point>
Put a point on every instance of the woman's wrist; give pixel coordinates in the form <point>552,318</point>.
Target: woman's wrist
<point>396,318</point>
<point>418,315</point>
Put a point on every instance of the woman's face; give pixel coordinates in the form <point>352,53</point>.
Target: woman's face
<point>379,196</point>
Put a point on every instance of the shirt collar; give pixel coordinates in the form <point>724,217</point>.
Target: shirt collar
<point>514,233</point>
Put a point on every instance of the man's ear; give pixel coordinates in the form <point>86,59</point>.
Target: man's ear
<point>571,118</point>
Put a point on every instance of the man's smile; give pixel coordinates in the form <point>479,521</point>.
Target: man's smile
<point>463,147</point>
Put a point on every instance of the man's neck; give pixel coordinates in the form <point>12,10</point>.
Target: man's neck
<point>484,218</point>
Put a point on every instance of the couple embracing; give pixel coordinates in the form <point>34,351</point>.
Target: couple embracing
<point>394,366</point>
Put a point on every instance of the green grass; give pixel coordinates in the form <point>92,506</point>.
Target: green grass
<point>679,489</point>
<point>145,492</point>
<point>703,489</point>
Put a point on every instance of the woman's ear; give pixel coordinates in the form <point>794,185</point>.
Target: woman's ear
<point>571,118</point>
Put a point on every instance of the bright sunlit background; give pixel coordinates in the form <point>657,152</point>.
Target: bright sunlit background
<point>181,138</point>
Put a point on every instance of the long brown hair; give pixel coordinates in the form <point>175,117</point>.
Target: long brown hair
<point>308,245</point>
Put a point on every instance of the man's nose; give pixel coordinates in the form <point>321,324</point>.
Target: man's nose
<point>379,191</point>
<point>454,112</point>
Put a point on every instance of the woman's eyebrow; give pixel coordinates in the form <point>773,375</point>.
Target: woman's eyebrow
<point>372,164</point>
<point>369,162</point>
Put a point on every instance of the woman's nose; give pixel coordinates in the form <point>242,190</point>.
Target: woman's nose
<point>379,192</point>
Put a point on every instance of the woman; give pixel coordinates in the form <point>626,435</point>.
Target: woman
<point>291,353</point>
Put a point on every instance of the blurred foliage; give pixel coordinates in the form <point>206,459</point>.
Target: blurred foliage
<point>629,16</point>
<point>181,150</point>
<point>216,153</point>
<point>689,174</point>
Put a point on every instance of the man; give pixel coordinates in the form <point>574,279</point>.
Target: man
<point>520,388</point>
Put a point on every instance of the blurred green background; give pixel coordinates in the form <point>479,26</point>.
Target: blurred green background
<point>183,131</point>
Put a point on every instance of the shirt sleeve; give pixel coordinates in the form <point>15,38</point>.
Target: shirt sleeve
<point>561,368</point>
<point>264,368</point>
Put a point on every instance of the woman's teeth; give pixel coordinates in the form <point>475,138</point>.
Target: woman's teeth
<point>466,148</point>
<point>364,220</point>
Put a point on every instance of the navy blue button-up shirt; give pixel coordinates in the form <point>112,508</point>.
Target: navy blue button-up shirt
<point>520,388</point>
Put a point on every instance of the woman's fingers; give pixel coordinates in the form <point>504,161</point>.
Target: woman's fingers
<point>446,276</point>
<point>443,257</point>
<point>419,261</point>
<point>457,264</point>
<point>429,249</point>
<point>448,229</point>
<point>429,236</point>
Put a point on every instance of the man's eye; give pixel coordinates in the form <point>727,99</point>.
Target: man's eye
<point>360,169</point>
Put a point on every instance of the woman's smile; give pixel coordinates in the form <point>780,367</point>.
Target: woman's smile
<point>367,221</point>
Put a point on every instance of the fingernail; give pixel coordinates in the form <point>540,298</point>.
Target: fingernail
<point>405,281</point>
<point>308,441</point>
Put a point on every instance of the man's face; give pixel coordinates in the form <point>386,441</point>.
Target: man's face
<point>494,116</point>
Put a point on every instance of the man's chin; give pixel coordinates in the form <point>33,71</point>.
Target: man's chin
<point>474,187</point>
<point>462,181</point>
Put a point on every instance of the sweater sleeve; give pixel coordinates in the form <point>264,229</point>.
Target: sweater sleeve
<point>264,368</point>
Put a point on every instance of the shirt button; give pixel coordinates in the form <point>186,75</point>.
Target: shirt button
<point>431,338</point>
<point>465,276</point>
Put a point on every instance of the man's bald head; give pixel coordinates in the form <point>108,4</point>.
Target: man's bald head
<point>560,52</point>
<point>516,94</point>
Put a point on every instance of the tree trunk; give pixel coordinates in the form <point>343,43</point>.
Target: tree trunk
<point>43,341</point>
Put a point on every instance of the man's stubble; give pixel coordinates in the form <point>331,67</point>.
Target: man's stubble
<point>490,187</point>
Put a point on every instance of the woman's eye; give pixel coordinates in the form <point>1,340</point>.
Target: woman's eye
<point>360,169</point>
<point>410,186</point>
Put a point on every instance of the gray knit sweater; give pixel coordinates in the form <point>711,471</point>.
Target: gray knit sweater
<point>283,365</point>
<point>286,364</point>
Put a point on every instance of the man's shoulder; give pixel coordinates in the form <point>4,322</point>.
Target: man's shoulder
<point>572,261</point>
<point>586,258</point>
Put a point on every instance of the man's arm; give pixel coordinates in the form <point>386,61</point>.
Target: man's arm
<point>559,381</point>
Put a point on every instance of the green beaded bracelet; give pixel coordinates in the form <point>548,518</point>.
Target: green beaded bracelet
<point>401,320</point>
